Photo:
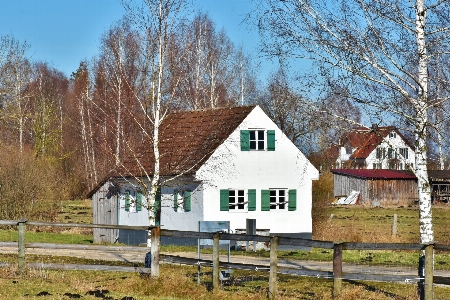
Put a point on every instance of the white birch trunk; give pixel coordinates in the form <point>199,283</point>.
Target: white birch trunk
<point>424,189</point>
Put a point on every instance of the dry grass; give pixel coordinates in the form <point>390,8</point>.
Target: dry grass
<point>180,282</point>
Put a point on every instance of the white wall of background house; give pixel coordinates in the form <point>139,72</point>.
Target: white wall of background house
<point>282,170</point>
<point>392,147</point>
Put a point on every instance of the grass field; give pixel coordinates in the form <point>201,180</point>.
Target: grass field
<point>353,224</point>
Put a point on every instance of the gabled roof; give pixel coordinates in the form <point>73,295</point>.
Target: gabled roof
<point>367,139</point>
<point>375,173</point>
<point>186,140</point>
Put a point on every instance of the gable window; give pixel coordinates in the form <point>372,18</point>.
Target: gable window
<point>278,199</point>
<point>393,134</point>
<point>404,152</point>
<point>381,153</point>
<point>391,153</point>
<point>237,200</point>
<point>257,140</point>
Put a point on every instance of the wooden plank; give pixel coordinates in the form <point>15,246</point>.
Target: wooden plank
<point>83,247</point>
<point>305,242</point>
<point>381,246</point>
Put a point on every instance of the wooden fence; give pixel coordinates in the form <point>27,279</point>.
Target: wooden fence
<point>426,278</point>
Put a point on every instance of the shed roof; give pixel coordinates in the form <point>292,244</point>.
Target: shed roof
<point>375,173</point>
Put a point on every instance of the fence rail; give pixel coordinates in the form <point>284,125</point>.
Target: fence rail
<point>426,269</point>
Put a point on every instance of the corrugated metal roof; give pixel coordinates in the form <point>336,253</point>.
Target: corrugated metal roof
<point>375,173</point>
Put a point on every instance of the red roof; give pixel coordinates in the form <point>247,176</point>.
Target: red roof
<point>375,173</point>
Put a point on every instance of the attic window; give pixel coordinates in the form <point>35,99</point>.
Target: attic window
<point>257,140</point>
<point>393,135</point>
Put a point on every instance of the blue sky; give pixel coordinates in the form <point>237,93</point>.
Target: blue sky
<point>65,32</point>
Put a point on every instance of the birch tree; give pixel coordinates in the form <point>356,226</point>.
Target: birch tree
<point>378,50</point>
<point>15,76</point>
<point>157,21</point>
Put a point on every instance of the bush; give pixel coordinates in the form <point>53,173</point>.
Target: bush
<point>30,187</point>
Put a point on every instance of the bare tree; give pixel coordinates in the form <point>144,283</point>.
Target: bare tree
<point>377,50</point>
<point>157,21</point>
<point>15,75</point>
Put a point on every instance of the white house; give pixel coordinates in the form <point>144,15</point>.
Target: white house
<point>228,164</point>
<point>373,148</point>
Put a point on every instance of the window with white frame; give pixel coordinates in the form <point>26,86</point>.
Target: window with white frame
<point>278,198</point>
<point>257,140</point>
<point>404,152</point>
<point>236,200</point>
<point>393,134</point>
<point>380,153</point>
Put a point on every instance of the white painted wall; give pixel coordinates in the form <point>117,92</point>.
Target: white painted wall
<point>179,220</point>
<point>286,167</point>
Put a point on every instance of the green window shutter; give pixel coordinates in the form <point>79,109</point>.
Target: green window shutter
<point>127,200</point>
<point>292,205</point>
<point>251,200</point>
<point>224,200</point>
<point>175,200</point>
<point>270,140</point>
<point>157,207</point>
<point>187,200</point>
<point>245,140</point>
<point>138,201</point>
<point>265,200</point>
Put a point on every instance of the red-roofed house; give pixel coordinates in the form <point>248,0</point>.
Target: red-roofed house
<point>373,148</point>
<point>228,164</point>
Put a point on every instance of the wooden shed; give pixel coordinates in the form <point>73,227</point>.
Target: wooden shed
<point>440,183</point>
<point>377,187</point>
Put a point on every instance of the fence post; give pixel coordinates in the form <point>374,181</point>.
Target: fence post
<point>21,244</point>
<point>429,272</point>
<point>154,250</point>
<point>337,269</point>
<point>273,267</point>
<point>215,258</point>
<point>394,226</point>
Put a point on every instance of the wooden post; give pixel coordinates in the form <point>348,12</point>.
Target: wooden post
<point>394,226</point>
<point>155,249</point>
<point>337,269</point>
<point>429,272</point>
<point>215,258</point>
<point>273,267</point>
<point>21,245</point>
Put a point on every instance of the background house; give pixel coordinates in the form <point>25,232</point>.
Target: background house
<point>228,164</point>
<point>373,148</point>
